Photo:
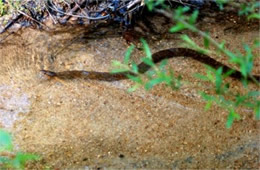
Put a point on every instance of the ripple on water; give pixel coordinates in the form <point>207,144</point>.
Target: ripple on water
<point>12,103</point>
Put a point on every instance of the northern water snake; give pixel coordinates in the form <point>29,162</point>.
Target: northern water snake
<point>143,67</point>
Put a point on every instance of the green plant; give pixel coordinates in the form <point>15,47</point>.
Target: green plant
<point>250,9</point>
<point>2,8</point>
<point>223,96</point>
<point>156,75</point>
<point>9,158</point>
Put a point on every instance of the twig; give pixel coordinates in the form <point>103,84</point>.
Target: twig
<point>21,12</point>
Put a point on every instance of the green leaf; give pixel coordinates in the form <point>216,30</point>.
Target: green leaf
<point>148,61</point>
<point>119,67</point>
<point>135,68</point>
<point>210,76</point>
<point>208,105</point>
<point>221,46</point>
<point>150,73</point>
<point>230,120</point>
<point>153,82</point>
<point>205,96</point>
<point>149,4</point>
<point>128,54</point>
<point>231,117</point>
<point>206,41</point>
<point>219,80</point>
<point>177,28</point>
<point>256,44</point>
<point>1,8</point>
<point>22,158</point>
<point>168,80</point>
<point>202,77</point>
<point>4,160</point>
<point>162,65</point>
<point>211,70</point>
<point>119,70</point>
<point>254,16</point>
<point>235,59</point>
<point>193,17</point>
<point>178,83</point>
<point>132,89</point>
<point>257,110</point>
<point>243,70</point>
<point>136,79</point>
<point>173,81</point>
<point>184,9</point>
<point>244,81</point>
<point>221,3</point>
<point>5,141</point>
<point>240,99</point>
<point>146,49</point>
<point>254,93</point>
<point>228,73</point>
<point>116,63</point>
<point>187,39</point>
<point>193,45</point>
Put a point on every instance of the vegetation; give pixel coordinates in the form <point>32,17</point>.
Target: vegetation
<point>223,96</point>
<point>9,7</point>
<point>10,159</point>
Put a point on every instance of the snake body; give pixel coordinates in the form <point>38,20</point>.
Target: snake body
<point>143,67</point>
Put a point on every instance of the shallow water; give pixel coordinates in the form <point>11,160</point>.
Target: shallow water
<point>12,102</point>
<point>90,124</point>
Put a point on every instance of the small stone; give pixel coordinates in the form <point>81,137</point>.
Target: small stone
<point>121,156</point>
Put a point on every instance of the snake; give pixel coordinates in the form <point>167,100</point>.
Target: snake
<point>143,67</point>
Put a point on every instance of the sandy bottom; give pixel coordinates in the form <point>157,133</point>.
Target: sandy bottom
<point>92,124</point>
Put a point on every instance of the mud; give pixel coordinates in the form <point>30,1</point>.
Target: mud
<point>91,124</point>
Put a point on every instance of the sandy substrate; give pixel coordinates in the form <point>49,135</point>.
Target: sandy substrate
<point>93,124</point>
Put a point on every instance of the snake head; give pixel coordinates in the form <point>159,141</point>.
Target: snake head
<point>48,73</point>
